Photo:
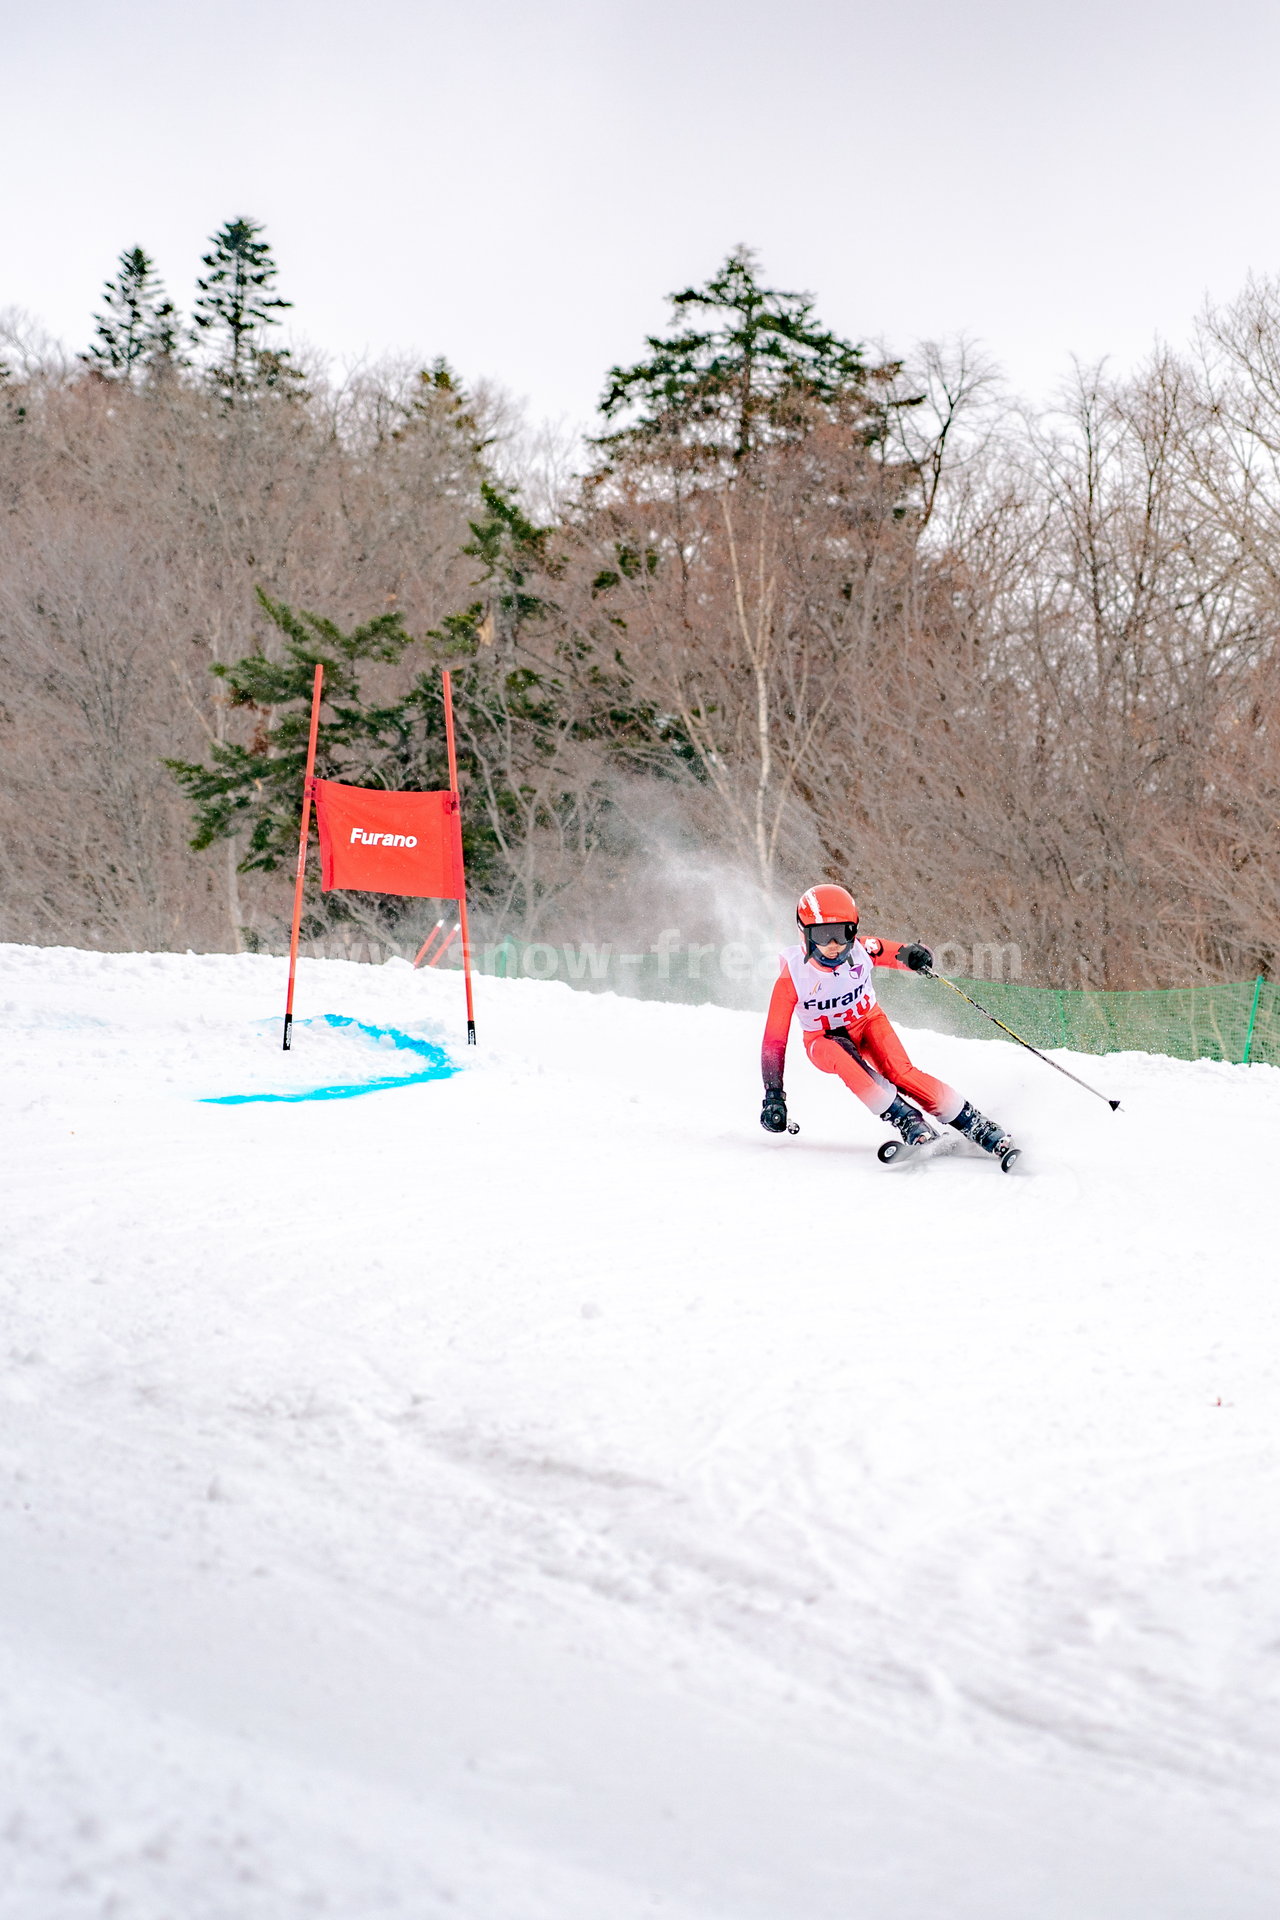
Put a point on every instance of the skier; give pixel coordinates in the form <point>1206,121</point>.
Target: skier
<point>827,979</point>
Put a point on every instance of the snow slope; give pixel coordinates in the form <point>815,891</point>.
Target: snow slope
<point>535,1494</point>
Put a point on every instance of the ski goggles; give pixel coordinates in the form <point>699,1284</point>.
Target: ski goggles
<point>842,932</point>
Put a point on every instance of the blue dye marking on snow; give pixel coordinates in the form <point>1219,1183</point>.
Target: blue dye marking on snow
<point>439,1067</point>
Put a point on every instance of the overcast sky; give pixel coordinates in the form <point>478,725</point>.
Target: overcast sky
<point>517,186</point>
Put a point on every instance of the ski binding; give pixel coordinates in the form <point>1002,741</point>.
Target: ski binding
<point>898,1153</point>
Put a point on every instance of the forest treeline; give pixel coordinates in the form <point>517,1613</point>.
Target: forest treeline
<point>803,611</point>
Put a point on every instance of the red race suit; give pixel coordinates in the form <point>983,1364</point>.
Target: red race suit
<point>846,1031</point>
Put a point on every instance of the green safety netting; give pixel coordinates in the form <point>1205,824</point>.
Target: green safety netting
<point>1239,1021</point>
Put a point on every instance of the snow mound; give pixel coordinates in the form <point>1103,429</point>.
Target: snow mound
<point>533,1493</point>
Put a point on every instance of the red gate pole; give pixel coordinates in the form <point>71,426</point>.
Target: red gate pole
<point>462,898</point>
<point>302,852</point>
<point>444,946</point>
<point>424,948</point>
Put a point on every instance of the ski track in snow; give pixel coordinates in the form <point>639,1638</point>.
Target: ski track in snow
<point>536,1494</point>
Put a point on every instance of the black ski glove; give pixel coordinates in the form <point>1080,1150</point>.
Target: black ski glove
<point>915,956</point>
<point>773,1114</point>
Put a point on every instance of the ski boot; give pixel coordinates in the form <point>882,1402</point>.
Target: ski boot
<point>909,1121</point>
<point>987,1134</point>
<point>911,1124</point>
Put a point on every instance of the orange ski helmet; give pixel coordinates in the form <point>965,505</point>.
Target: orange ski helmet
<point>825,914</point>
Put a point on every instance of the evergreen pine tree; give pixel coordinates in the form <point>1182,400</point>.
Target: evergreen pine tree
<point>512,551</point>
<point>755,366</point>
<point>442,410</point>
<point>235,301</point>
<point>394,743</point>
<point>139,328</point>
<point>518,712</point>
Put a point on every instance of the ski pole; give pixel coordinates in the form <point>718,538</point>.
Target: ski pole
<point>930,975</point>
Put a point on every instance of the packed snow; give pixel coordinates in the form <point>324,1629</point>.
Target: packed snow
<point>530,1492</point>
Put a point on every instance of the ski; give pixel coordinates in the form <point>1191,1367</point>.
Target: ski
<point>896,1153</point>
